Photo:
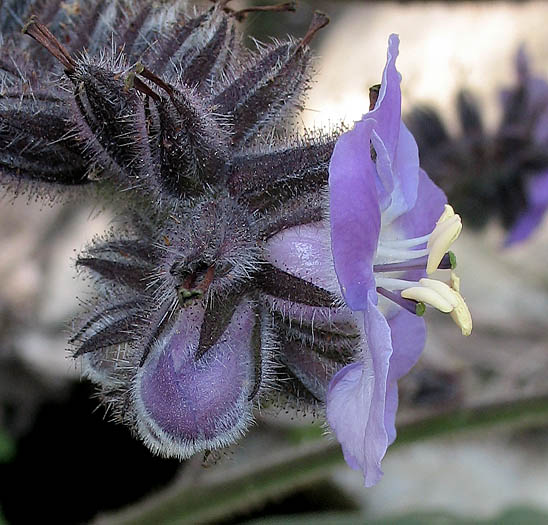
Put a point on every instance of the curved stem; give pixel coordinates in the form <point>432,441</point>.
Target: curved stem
<point>298,466</point>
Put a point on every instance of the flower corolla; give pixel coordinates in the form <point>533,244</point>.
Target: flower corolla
<point>390,228</point>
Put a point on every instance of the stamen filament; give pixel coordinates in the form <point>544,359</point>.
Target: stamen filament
<point>455,282</point>
<point>417,264</point>
<point>390,283</point>
<point>410,306</point>
<point>403,255</point>
<point>406,243</point>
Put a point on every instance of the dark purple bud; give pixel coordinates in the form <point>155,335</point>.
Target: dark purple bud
<point>266,91</point>
<point>469,114</point>
<point>35,147</point>
<point>306,163</point>
<point>193,143</point>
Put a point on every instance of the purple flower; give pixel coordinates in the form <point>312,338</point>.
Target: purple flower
<point>390,226</point>
<point>536,192</point>
<point>217,292</point>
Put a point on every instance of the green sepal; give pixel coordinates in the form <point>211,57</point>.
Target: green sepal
<point>420,309</point>
<point>452,259</point>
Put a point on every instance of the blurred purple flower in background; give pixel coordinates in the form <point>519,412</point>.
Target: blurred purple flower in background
<point>530,96</point>
<point>536,192</point>
<point>501,173</point>
<point>390,227</point>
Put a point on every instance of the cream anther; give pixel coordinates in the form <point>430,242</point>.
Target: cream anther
<point>423,294</point>
<point>442,289</point>
<point>461,315</point>
<point>448,211</point>
<point>445,298</point>
<point>444,235</point>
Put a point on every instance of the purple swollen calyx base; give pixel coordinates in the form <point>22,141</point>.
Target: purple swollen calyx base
<point>186,404</point>
<point>195,366</point>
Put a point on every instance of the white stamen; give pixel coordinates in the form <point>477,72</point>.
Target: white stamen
<point>448,211</point>
<point>455,282</point>
<point>443,296</point>
<point>406,243</point>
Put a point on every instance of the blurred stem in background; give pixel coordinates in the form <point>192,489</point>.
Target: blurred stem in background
<point>294,467</point>
<point>429,1</point>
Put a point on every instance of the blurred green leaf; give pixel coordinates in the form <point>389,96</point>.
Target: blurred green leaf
<point>239,491</point>
<point>437,518</point>
<point>302,434</point>
<point>521,515</point>
<point>518,413</point>
<point>7,448</point>
<point>326,518</point>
